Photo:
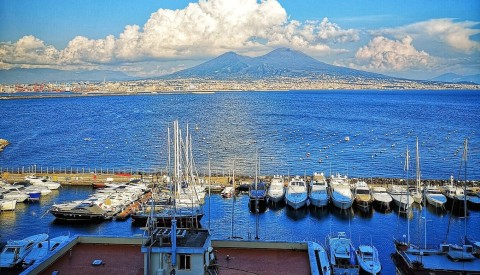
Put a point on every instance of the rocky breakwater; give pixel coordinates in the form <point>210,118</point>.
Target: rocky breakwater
<point>3,144</point>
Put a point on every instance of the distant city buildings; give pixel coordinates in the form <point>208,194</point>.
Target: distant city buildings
<point>315,82</point>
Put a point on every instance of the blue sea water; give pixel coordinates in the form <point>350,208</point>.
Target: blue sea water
<point>293,132</point>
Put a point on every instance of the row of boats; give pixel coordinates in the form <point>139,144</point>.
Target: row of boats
<point>319,192</point>
<point>30,190</point>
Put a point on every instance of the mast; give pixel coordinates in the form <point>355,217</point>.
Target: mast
<point>233,201</point>
<point>407,157</point>
<point>464,158</point>
<point>417,158</point>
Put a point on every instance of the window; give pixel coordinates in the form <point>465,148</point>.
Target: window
<point>185,262</point>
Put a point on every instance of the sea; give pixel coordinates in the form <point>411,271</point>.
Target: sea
<point>363,134</point>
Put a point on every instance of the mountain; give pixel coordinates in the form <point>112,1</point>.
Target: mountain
<point>282,62</point>
<point>456,78</point>
<point>52,75</point>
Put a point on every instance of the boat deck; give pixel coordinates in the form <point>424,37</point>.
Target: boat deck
<point>442,262</point>
<point>116,259</point>
<point>262,261</point>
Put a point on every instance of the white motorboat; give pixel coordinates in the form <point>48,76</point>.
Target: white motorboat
<point>368,260</point>
<point>297,194</point>
<point>416,190</point>
<point>318,194</point>
<point>42,181</point>
<point>401,197</point>
<point>276,191</point>
<point>7,204</point>
<point>381,198</point>
<point>363,195</point>
<point>340,192</point>
<point>435,197</point>
<point>342,255</point>
<point>41,249</point>
<point>15,252</point>
<point>15,194</point>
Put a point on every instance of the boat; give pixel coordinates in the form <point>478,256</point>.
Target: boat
<point>473,200</point>
<point>227,192</point>
<point>7,205</point>
<point>276,190</point>
<point>41,249</point>
<point>296,195</point>
<point>317,254</point>
<point>340,192</point>
<point>363,195</point>
<point>455,195</point>
<point>443,259</point>
<point>381,198</point>
<point>402,199</point>
<point>42,181</point>
<point>342,254</point>
<point>368,260</point>
<point>257,193</point>
<point>434,197</point>
<point>415,191</point>
<point>318,193</point>
<point>83,211</point>
<point>15,252</point>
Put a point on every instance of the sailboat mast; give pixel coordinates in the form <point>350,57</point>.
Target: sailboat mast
<point>233,201</point>
<point>417,158</point>
<point>465,153</point>
<point>407,157</point>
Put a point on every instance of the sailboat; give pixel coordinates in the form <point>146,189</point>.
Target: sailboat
<point>184,204</point>
<point>400,194</point>
<point>445,259</point>
<point>258,194</point>
<point>415,191</point>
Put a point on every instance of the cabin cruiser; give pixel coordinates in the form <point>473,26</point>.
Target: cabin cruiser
<point>340,192</point>
<point>7,205</point>
<point>368,260</point>
<point>435,197</point>
<point>381,198</point>
<point>258,197</point>
<point>342,255</point>
<point>296,195</point>
<point>318,194</point>
<point>15,251</point>
<point>41,249</point>
<point>401,197</point>
<point>42,181</point>
<point>363,195</point>
<point>276,190</point>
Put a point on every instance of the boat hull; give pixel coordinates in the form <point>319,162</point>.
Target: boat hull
<point>8,205</point>
<point>318,201</point>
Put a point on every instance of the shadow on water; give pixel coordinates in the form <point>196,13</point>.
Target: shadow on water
<point>276,206</point>
<point>319,213</point>
<point>438,211</point>
<point>365,213</point>
<point>296,215</point>
<point>342,214</point>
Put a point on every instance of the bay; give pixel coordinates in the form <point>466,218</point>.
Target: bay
<point>295,133</point>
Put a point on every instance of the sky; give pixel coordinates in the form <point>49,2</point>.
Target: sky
<point>403,38</point>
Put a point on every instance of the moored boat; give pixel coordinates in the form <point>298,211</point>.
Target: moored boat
<point>258,197</point>
<point>368,260</point>
<point>7,205</point>
<point>363,195</point>
<point>276,190</point>
<point>15,252</point>
<point>227,192</point>
<point>342,255</point>
<point>318,193</point>
<point>401,197</point>
<point>434,197</point>
<point>296,195</point>
<point>41,249</point>
<point>340,192</point>
<point>381,199</point>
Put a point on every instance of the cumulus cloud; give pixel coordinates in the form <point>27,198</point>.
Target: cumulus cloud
<point>200,30</point>
<point>457,35</point>
<point>382,54</point>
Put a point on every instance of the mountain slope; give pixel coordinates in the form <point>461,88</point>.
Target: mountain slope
<point>456,78</point>
<point>281,62</point>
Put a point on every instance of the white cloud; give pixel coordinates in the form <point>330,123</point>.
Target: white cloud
<point>457,35</point>
<point>201,30</point>
<point>384,55</point>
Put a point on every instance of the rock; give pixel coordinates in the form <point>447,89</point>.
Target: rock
<point>3,143</point>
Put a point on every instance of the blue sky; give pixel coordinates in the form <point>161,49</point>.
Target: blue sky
<point>415,39</point>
